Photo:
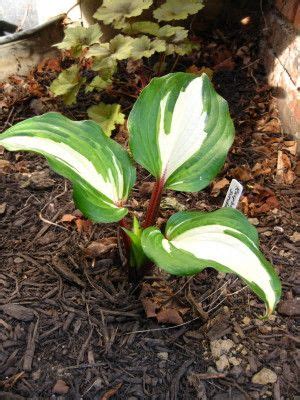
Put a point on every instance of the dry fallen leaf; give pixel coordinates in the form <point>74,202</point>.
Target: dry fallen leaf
<point>102,246</point>
<point>4,165</point>
<point>291,146</point>
<point>269,204</point>
<point>60,387</point>
<point>50,64</point>
<point>217,186</point>
<point>193,69</point>
<point>111,392</point>
<point>241,173</point>
<point>261,168</point>
<point>284,173</point>
<point>83,225</point>
<point>150,307</point>
<point>68,218</point>
<point>295,237</point>
<point>147,187</point>
<point>159,302</point>
<point>169,316</point>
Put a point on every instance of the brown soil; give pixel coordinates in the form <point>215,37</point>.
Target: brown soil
<point>65,317</point>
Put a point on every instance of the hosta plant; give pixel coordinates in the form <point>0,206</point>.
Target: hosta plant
<point>180,132</point>
<point>134,40</point>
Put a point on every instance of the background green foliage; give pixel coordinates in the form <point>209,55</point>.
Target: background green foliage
<point>133,39</point>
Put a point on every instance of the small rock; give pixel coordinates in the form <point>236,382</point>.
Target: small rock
<point>4,164</point>
<point>220,347</point>
<point>98,383</point>
<point>246,321</point>
<point>295,237</point>
<point>163,355</point>
<point>60,387</point>
<point>278,229</point>
<point>222,363</point>
<point>2,208</point>
<point>36,375</point>
<point>172,203</point>
<point>18,260</point>
<point>265,329</point>
<point>264,376</point>
<point>211,370</point>
<point>234,360</point>
<point>267,233</point>
<point>236,371</point>
<point>37,180</point>
<point>253,221</point>
<point>258,322</point>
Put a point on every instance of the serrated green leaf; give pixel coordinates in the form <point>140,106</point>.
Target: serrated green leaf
<point>177,9</point>
<point>148,27</point>
<point>118,10</point>
<point>101,50</point>
<point>180,130</point>
<point>172,33</point>
<point>121,46</point>
<point>99,168</point>
<point>223,240</point>
<point>79,37</point>
<point>107,66</point>
<point>107,116</point>
<point>98,83</point>
<point>67,84</point>
<point>144,47</point>
<point>183,48</point>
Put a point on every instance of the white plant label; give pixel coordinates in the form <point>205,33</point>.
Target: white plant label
<point>233,194</point>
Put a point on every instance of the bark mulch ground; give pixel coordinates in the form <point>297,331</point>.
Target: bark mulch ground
<point>72,327</point>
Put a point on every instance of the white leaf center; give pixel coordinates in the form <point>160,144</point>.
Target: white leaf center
<point>74,160</point>
<point>211,243</point>
<point>187,128</point>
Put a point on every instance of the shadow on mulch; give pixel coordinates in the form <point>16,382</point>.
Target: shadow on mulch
<point>86,331</point>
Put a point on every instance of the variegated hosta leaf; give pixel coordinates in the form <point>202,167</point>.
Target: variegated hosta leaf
<point>118,10</point>
<point>107,116</point>
<point>78,37</point>
<point>144,47</point>
<point>180,130</point>
<point>99,168</point>
<point>223,240</point>
<point>67,84</point>
<point>177,9</point>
